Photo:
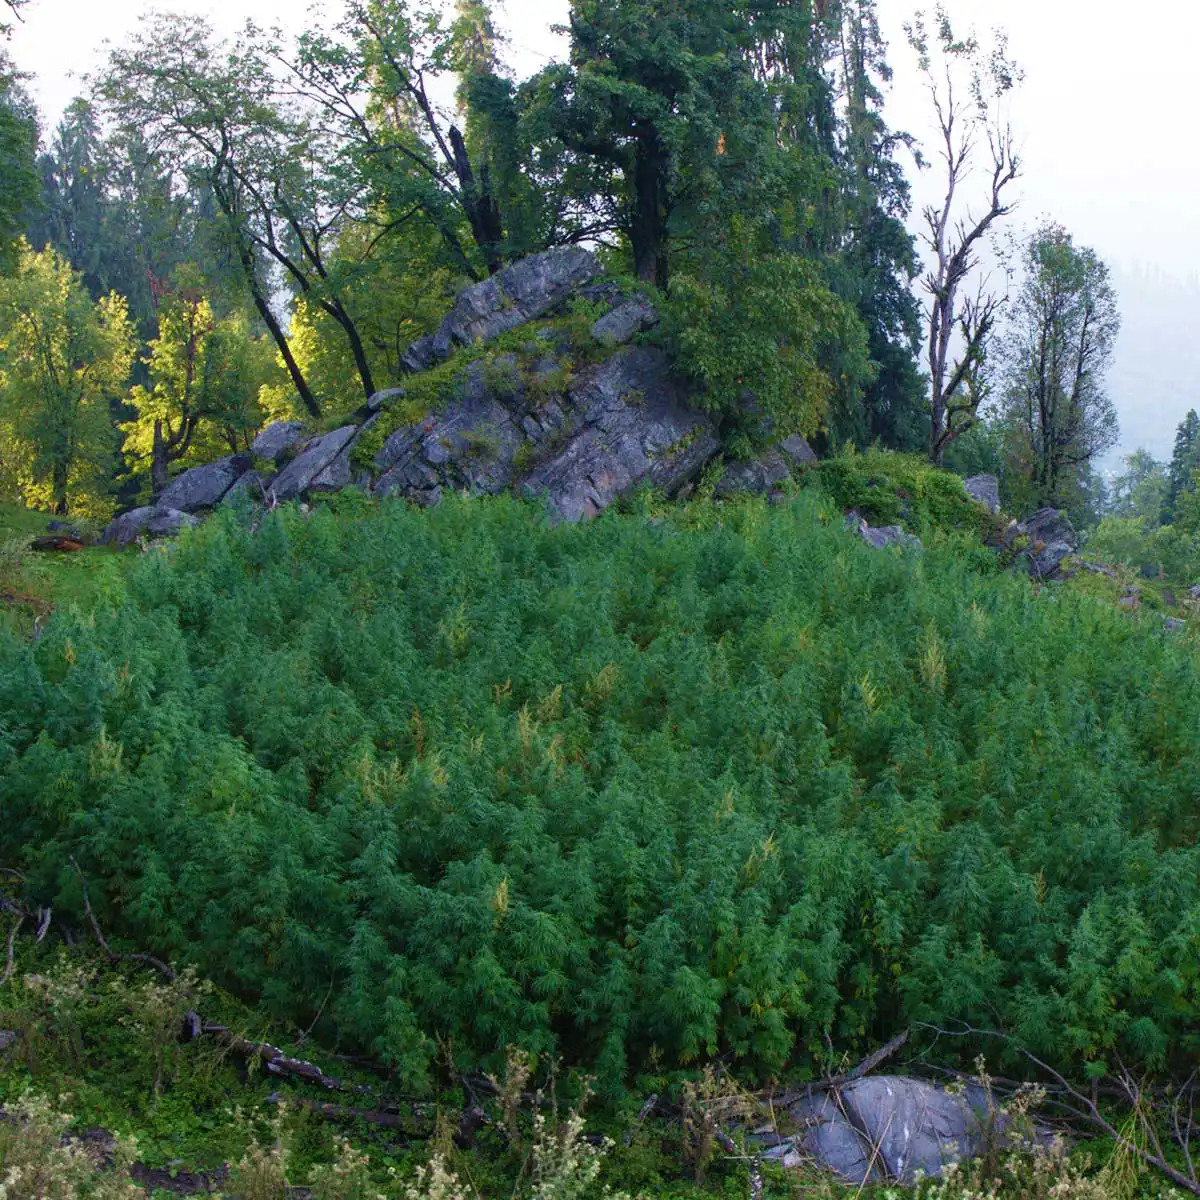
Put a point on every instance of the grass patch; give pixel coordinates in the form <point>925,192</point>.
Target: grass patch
<point>33,583</point>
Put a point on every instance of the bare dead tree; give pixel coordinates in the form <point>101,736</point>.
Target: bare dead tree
<point>967,112</point>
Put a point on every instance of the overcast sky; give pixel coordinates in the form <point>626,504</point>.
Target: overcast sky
<point>1105,130</point>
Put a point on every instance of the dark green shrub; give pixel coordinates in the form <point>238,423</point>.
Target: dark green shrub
<point>635,793</point>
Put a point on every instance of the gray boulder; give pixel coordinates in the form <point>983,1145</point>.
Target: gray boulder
<point>1050,525</point>
<point>880,536</point>
<point>382,399</point>
<point>522,292</point>
<point>798,450</point>
<point>153,520</point>
<point>891,1128</point>
<point>633,427</point>
<point>767,472</point>
<point>889,535</point>
<point>341,472</point>
<point>985,489</point>
<point>307,466</point>
<point>626,321</point>
<point>276,440</point>
<point>203,487</point>
<point>1174,625</point>
<point>252,483</point>
<point>760,476</point>
<point>1052,539</point>
<point>1047,562</point>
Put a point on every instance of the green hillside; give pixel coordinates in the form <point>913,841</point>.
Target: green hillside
<point>637,793</point>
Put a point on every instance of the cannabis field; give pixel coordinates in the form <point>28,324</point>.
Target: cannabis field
<point>635,794</point>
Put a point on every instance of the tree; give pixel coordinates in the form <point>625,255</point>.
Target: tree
<point>1184,462</point>
<point>878,255</point>
<point>73,215</point>
<point>959,324</point>
<point>1058,347</point>
<point>1141,491</point>
<point>664,98</point>
<point>204,378</point>
<point>63,358</point>
<point>18,150</point>
<point>762,335</point>
<point>492,181</point>
<point>212,112</point>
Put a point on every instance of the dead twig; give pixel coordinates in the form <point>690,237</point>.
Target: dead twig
<point>646,1110</point>
<point>867,1065</point>
<point>329,992</point>
<point>274,1059</point>
<point>753,1162</point>
<point>148,959</point>
<point>1085,1108</point>
<point>12,937</point>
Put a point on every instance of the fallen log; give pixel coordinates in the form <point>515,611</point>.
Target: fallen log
<point>62,542</point>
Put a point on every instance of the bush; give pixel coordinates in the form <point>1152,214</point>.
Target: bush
<point>633,793</point>
<point>1127,540</point>
<point>893,489</point>
<point>769,344</point>
<point>38,1161</point>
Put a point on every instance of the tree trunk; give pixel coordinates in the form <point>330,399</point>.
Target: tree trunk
<point>159,462</point>
<point>59,484</point>
<point>648,228</point>
<point>277,334</point>
<point>479,203</point>
<point>337,311</point>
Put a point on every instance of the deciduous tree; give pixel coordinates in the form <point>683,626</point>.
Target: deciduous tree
<point>213,112</point>
<point>63,358</point>
<point>966,86</point>
<point>1057,349</point>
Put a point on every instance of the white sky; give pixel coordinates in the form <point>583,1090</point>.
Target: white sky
<point>1105,129</point>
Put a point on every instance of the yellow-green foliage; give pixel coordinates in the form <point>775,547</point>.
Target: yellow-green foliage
<point>206,374</point>
<point>63,359</point>
<point>769,330</point>
<point>901,489</point>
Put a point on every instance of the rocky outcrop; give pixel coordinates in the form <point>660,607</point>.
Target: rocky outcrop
<point>620,423</point>
<point>1052,539</point>
<point>881,536</point>
<point>766,474</point>
<point>626,321</point>
<point>471,445</point>
<point>568,425</point>
<point>203,487</point>
<point>152,520</point>
<point>985,489</point>
<point>276,440</point>
<point>315,465</point>
<point>510,298</point>
<point>631,426</point>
